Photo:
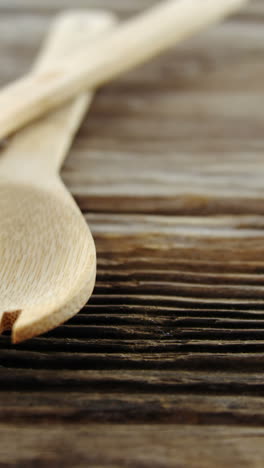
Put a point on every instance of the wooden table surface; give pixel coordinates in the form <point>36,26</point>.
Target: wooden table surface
<point>165,366</point>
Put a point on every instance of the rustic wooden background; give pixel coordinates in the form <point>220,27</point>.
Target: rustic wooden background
<point>165,366</point>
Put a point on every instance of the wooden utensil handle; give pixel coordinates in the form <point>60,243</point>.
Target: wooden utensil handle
<point>127,46</point>
<point>42,146</point>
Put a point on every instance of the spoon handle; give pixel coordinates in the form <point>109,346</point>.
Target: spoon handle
<point>125,47</point>
<point>40,148</point>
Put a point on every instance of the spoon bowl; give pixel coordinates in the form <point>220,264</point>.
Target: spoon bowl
<point>47,259</point>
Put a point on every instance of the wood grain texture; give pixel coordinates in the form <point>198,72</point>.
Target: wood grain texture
<point>164,367</point>
<point>134,446</point>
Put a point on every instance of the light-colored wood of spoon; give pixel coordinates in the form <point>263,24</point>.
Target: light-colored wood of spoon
<point>127,46</point>
<point>47,253</point>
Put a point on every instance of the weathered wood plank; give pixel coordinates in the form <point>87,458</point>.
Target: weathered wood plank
<point>132,381</point>
<point>149,357</point>
<point>186,144</point>
<point>140,446</point>
<point>83,407</point>
<point>198,348</point>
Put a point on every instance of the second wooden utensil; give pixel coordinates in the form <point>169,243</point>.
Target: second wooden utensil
<point>129,45</point>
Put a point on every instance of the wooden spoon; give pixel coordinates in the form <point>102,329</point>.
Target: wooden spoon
<point>128,45</point>
<point>47,253</point>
